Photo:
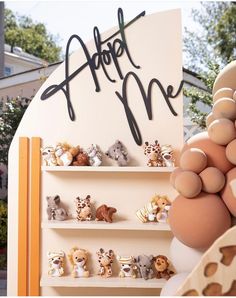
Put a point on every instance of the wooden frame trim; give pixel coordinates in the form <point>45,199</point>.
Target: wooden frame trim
<point>23,216</point>
<point>34,243</point>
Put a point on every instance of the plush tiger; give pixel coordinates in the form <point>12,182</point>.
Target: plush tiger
<point>153,153</point>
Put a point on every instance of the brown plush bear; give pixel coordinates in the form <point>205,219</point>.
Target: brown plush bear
<point>81,159</point>
<point>105,213</point>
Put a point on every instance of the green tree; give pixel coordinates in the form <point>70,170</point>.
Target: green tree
<point>12,110</point>
<point>208,50</point>
<point>32,37</point>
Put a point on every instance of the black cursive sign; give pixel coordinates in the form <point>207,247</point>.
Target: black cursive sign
<point>116,47</point>
<point>99,59</point>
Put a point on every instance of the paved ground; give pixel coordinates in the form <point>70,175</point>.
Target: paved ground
<point>3,283</point>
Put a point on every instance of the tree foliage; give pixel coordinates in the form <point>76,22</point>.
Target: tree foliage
<point>3,223</point>
<point>12,110</point>
<point>32,37</point>
<point>208,50</point>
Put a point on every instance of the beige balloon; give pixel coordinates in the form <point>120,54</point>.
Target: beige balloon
<point>224,108</point>
<point>222,131</point>
<point>226,78</point>
<point>228,194</point>
<point>209,119</point>
<point>213,180</point>
<point>193,159</point>
<point>188,184</point>
<point>215,153</point>
<point>231,152</point>
<point>174,174</point>
<point>223,92</point>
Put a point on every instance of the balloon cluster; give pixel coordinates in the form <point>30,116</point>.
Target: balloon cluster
<point>206,182</point>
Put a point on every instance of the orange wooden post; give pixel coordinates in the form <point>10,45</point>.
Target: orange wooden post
<point>34,262</point>
<point>23,216</point>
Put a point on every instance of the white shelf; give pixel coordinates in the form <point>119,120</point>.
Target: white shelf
<point>100,282</point>
<point>110,169</point>
<point>100,225</point>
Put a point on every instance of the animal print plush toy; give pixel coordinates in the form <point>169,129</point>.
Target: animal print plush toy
<point>95,155</point>
<point>167,156</point>
<point>54,211</point>
<point>162,264</point>
<point>83,208</point>
<point>56,263</point>
<point>153,153</point>
<point>105,213</point>
<point>127,267</point>
<point>119,153</point>
<point>145,266</point>
<point>78,258</point>
<point>49,156</point>
<point>105,260</point>
<point>153,210</point>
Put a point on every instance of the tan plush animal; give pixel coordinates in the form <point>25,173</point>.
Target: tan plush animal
<point>55,263</point>
<point>49,156</point>
<point>105,260</point>
<point>65,153</point>
<point>153,210</point>
<point>81,159</point>
<point>127,267</point>
<point>78,258</point>
<point>162,264</point>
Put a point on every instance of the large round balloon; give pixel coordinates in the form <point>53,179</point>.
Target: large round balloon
<point>173,284</point>
<point>216,156</point>
<point>228,194</point>
<point>193,159</point>
<point>178,253</point>
<point>199,222</point>
<point>226,78</point>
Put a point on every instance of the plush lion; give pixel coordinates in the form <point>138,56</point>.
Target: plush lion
<point>78,258</point>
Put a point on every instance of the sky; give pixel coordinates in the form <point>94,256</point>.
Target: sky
<point>64,18</point>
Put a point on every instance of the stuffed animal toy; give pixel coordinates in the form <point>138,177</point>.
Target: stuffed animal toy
<point>153,210</point>
<point>162,265</point>
<point>83,208</point>
<point>63,154</point>
<point>78,258</point>
<point>119,153</point>
<point>127,267</point>
<point>105,213</point>
<point>145,266</point>
<point>49,157</point>
<point>167,156</point>
<point>105,260</point>
<point>163,216</point>
<point>153,153</point>
<point>95,155</point>
<point>55,263</point>
<point>163,204</point>
<point>54,211</point>
<point>81,159</point>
